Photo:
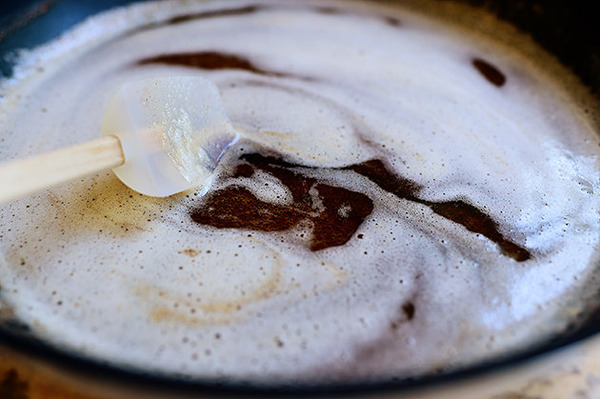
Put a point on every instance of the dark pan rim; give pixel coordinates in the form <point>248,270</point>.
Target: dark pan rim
<point>79,365</point>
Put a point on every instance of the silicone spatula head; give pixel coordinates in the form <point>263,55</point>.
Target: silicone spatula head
<point>173,131</point>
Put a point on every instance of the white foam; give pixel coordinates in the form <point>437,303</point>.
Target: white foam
<point>95,268</point>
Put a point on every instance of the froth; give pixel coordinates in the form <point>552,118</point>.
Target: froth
<point>412,286</point>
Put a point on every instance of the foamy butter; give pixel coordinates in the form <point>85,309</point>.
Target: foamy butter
<point>411,196</point>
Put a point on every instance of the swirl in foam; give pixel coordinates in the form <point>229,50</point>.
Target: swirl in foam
<point>409,197</point>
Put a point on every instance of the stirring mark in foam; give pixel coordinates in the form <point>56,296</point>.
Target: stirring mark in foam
<point>247,10</point>
<point>333,222</point>
<point>343,211</point>
<point>489,71</point>
<point>179,19</point>
<point>227,12</point>
<point>457,211</point>
<point>330,10</point>
<point>212,60</point>
<point>409,310</point>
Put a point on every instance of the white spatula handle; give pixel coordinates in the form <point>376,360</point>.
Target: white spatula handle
<point>25,176</point>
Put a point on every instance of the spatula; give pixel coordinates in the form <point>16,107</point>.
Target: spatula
<point>161,136</point>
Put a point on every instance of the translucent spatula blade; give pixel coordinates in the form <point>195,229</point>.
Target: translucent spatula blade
<point>173,131</point>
